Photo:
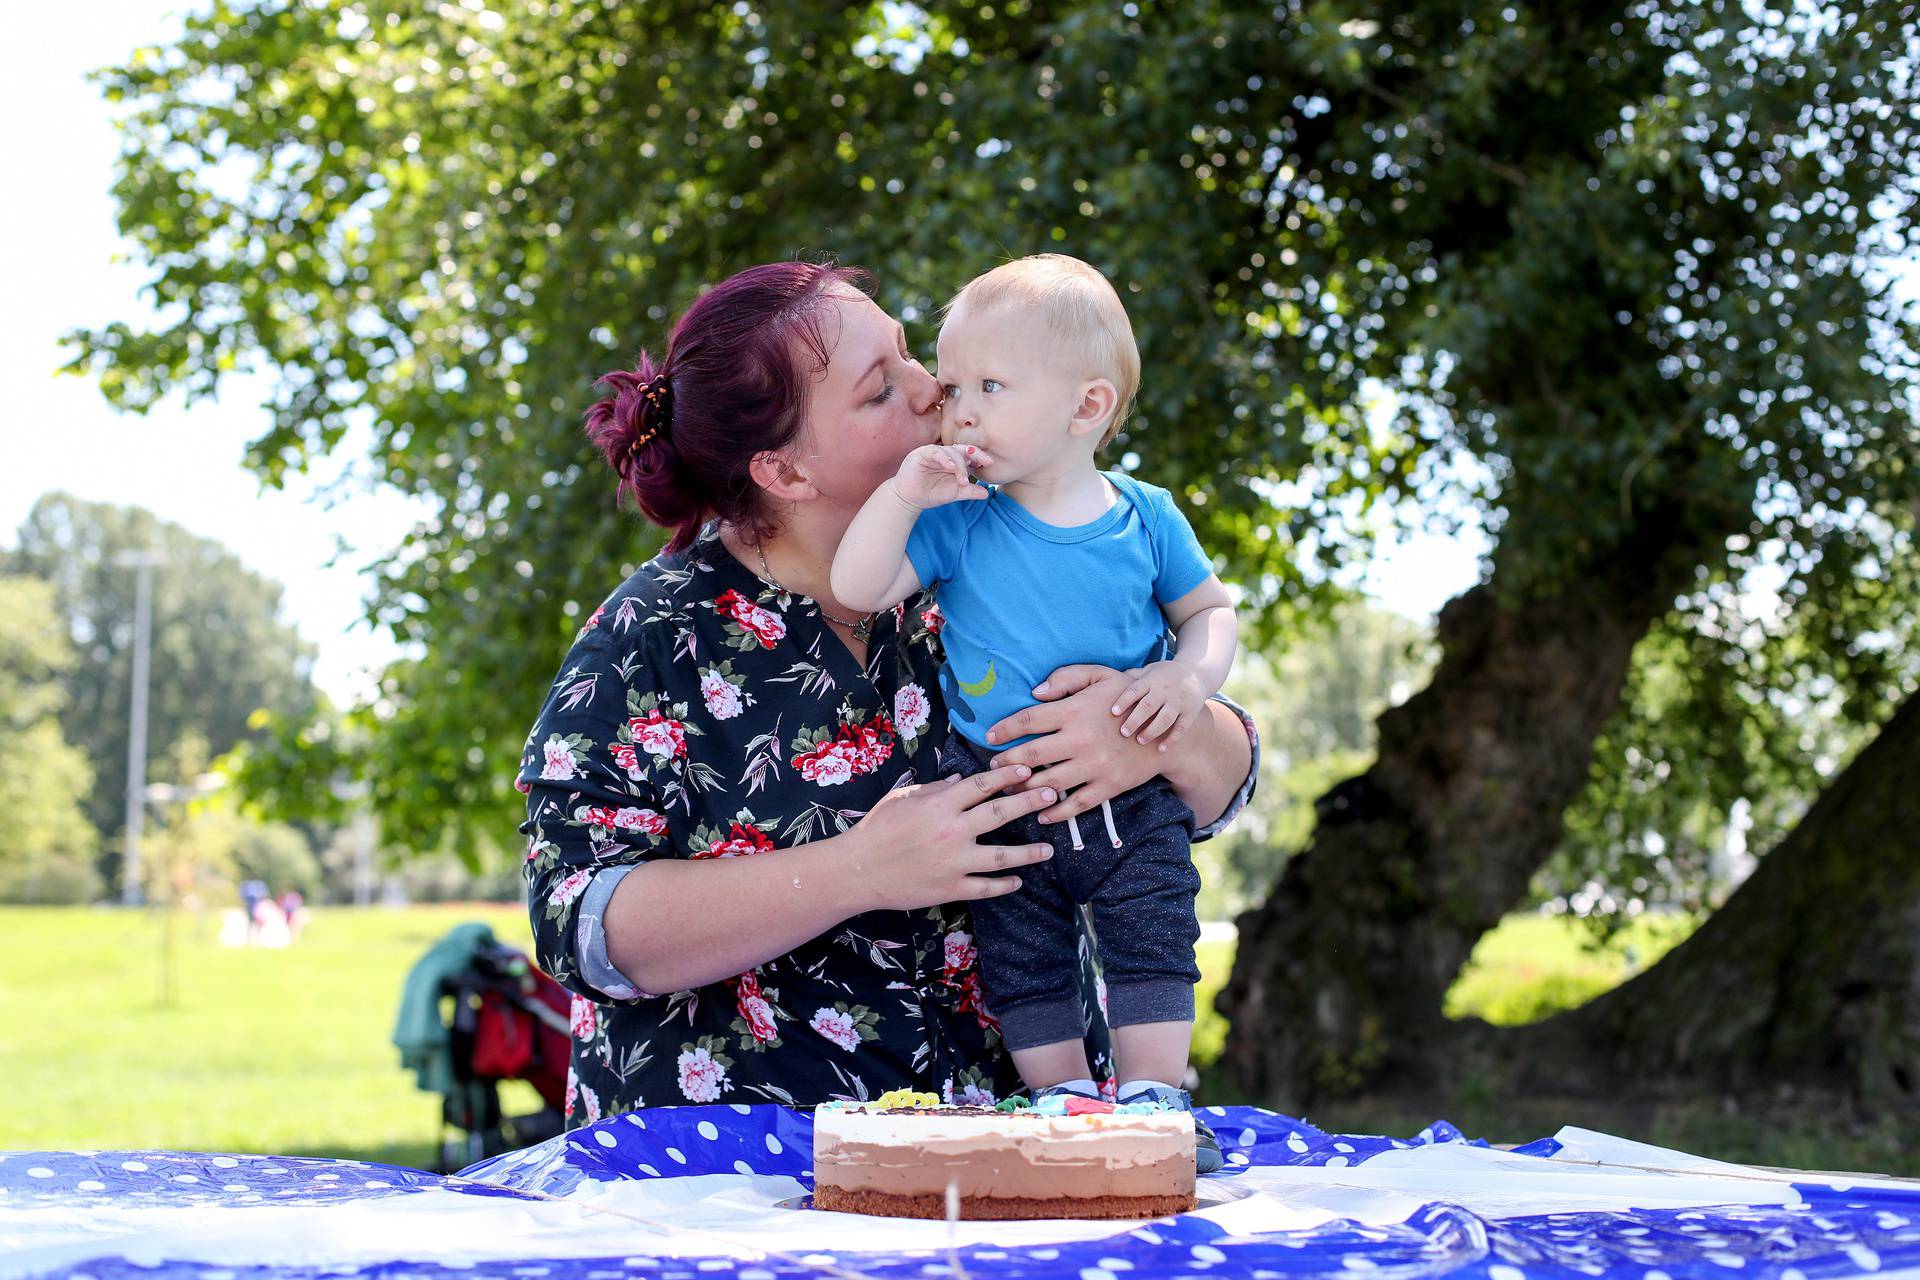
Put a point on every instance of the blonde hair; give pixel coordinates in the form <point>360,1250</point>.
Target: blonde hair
<point>1081,310</point>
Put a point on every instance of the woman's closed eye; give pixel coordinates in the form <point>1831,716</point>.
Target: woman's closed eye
<point>887,390</point>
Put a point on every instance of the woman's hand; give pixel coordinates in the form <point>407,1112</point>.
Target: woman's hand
<point>1078,754</point>
<point>920,845</point>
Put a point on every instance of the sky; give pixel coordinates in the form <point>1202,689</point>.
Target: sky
<point>64,264</point>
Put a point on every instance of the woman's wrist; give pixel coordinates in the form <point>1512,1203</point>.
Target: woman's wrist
<point>846,871</point>
<point>1207,767</point>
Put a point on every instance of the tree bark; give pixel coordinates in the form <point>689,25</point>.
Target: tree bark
<point>1809,974</point>
<point>1340,975</point>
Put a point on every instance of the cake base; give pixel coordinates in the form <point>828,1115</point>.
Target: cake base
<point>1000,1208</point>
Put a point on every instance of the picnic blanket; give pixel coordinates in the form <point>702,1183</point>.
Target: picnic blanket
<point>690,1193</point>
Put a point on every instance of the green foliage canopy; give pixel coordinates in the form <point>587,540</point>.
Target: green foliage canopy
<point>1614,264</point>
<point>46,843</point>
<point>220,652</point>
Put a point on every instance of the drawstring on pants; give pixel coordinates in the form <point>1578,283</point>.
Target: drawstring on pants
<point>1106,812</point>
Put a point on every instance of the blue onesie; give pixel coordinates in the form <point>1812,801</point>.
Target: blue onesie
<point>1022,598</point>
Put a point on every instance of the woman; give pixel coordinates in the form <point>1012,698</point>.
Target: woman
<point>740,859</point>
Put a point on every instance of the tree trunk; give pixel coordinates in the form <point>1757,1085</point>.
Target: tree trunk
<point>1341,973</point>
<point>1809,975</point>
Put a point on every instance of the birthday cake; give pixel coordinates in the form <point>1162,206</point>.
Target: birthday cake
<point>909,1157</point>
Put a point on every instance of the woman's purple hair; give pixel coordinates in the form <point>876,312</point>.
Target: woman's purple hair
<point>738,367</point>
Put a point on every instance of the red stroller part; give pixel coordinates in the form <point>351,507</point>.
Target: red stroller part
<point>509,1022</point>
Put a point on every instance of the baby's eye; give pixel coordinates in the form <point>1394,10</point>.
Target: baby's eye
<point>948,390</point>
<point>989,385</point>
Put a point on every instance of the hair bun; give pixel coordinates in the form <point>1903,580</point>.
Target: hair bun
<point>635,412</point>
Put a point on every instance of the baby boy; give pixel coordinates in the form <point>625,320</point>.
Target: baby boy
<point>1051,561</point>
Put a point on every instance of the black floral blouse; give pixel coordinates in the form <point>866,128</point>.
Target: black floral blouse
<point>704,713</point>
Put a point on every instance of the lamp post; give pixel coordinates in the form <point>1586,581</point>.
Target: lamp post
<point>361,827</point>
<point>143,563</point>
<point>171,875</point>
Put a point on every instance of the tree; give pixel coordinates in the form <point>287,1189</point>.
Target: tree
<point>1315,703</point>
<point>1791,980</point>
<point>46,843</point>
<point>219,650</point>
<point>1615,268</point>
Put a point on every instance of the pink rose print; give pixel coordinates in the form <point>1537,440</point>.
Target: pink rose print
<point>594,621</point>
<point>855,750</point>
<point>755,1010</point>
<point>743,839</point>
<point>569,889</point>
<point>642,820</point>
<point>911,708</point>
<point>837,1027</point>
<point>877,738</point>
<point>961,953</point>
<point>558,766</point>
<point>583,1019</point>
<point>628,819</point>
<point>701,1078</point>
<point>589,1105</point>
<point>973,1095</point>
<point>659,735</point>
<point>971,998</point>
<point>573,1088</point>
<point>759,1016</point>
<point>933,619</point>
<point>721,694</point>
<point>864,749</point>
<point>824,765</point>
<point>767,626</point>
<point>627,758</point>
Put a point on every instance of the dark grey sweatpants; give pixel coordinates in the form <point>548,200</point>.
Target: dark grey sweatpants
<point>1141,896</point>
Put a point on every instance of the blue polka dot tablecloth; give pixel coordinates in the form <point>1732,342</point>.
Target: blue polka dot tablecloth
<point>695,1192</point>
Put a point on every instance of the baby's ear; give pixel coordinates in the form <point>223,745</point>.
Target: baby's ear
<point>1098,400</point>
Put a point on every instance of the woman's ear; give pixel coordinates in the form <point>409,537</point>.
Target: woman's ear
<point>779,478</point>
<point>1098,400</point>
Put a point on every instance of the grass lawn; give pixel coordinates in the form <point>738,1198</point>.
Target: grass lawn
<point>274,1051</point>
<point>287,1051</point>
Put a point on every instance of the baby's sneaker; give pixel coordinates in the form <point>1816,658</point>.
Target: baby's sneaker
<point>1206,1147</point>
<point>1066,1091</point>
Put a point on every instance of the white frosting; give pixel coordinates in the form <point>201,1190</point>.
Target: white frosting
<point>1005,1156</point>
<point>891,1129</point>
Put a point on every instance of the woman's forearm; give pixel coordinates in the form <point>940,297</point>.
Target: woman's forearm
<point>675,924</point>
<point>1209,765</point>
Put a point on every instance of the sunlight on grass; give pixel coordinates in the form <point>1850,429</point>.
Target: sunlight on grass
<point>1532,967</point>
<point>287,1051</point>
<point>1528,968</point>
<point>273,1051</point>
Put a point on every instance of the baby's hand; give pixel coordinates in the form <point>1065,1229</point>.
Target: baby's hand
<point>935,474</point>
<point>1165,699</point>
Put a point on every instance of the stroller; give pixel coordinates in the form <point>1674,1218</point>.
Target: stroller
<point>474,1013</point>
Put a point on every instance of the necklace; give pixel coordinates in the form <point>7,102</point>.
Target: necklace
<point>862,628</point>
